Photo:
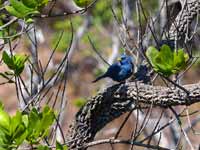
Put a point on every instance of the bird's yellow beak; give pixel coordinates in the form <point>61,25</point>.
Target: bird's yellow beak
<point>119,59</point>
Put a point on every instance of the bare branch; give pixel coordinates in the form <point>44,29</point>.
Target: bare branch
<point>118,141</point>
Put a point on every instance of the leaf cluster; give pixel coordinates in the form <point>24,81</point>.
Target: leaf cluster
<point>15,62</point>
<point>25,9</point>
<point>20,128</point>
<point>167,61</point>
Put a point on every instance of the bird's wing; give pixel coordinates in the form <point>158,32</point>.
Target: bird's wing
<point>114,69</point>
<point>126,71</point>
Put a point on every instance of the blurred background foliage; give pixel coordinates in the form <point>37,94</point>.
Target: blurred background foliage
<point>100,29</point>
<point>85,64</point>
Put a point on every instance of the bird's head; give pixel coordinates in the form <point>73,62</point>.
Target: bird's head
<point>125,59</point>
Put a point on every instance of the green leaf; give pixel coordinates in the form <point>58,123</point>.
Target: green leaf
<point>83,3</point>
<point>41,147</point>
<point>4,141</point>
<point>18,9</point>
<point>47,119</point>
<point>8,61</point>
<point>18,128</point>
<point>20,139</point>
<point>21,8</point>
<point>13,12</point>
<point>33,122</point>
<point>151,54</point>
<point>42,3</point>
<point>4,121</point>
<point>16,121</point>
<point>167,55</point>
<point>33,119</point>
<point>39,124</point>
<point>30,3</point>
<point>25,120</point>
<point>180,60</point>
<point>29,21</point>
<point>59,146</point>
<point>166,61</point>
<point>2,148</point>
<point>1,105</point>
<point>19,131</point>
<point>15,63</point>
<point>79,102</point>
<point>19,62</point>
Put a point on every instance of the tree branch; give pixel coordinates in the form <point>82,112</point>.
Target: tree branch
<point>119,141</point>
<point>179,28</point>
<point>121,98</point>
<point>118,99</point>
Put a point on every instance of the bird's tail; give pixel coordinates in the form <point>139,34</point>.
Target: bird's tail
<point>99,78</point>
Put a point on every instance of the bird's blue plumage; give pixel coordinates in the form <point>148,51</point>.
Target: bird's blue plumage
<point>119,71</point>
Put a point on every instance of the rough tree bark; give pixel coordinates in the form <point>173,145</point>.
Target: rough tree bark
<point>179,28</point>
<point>118,99</point>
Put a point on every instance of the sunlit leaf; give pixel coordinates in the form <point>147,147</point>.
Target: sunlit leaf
<point>21,8</point>
<point>15,62</point>
<point>151,54</point>
<point>30,3</point>
<point>13,12</point>
<point>42,147</point>
<point>167,61</point>
<point>83,3</point>
<point>59,146</point>
<point>4,121</point>
<point>79,102</point>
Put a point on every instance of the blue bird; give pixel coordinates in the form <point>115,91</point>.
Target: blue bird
<point>142,74</point>
<point>120,70</point>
